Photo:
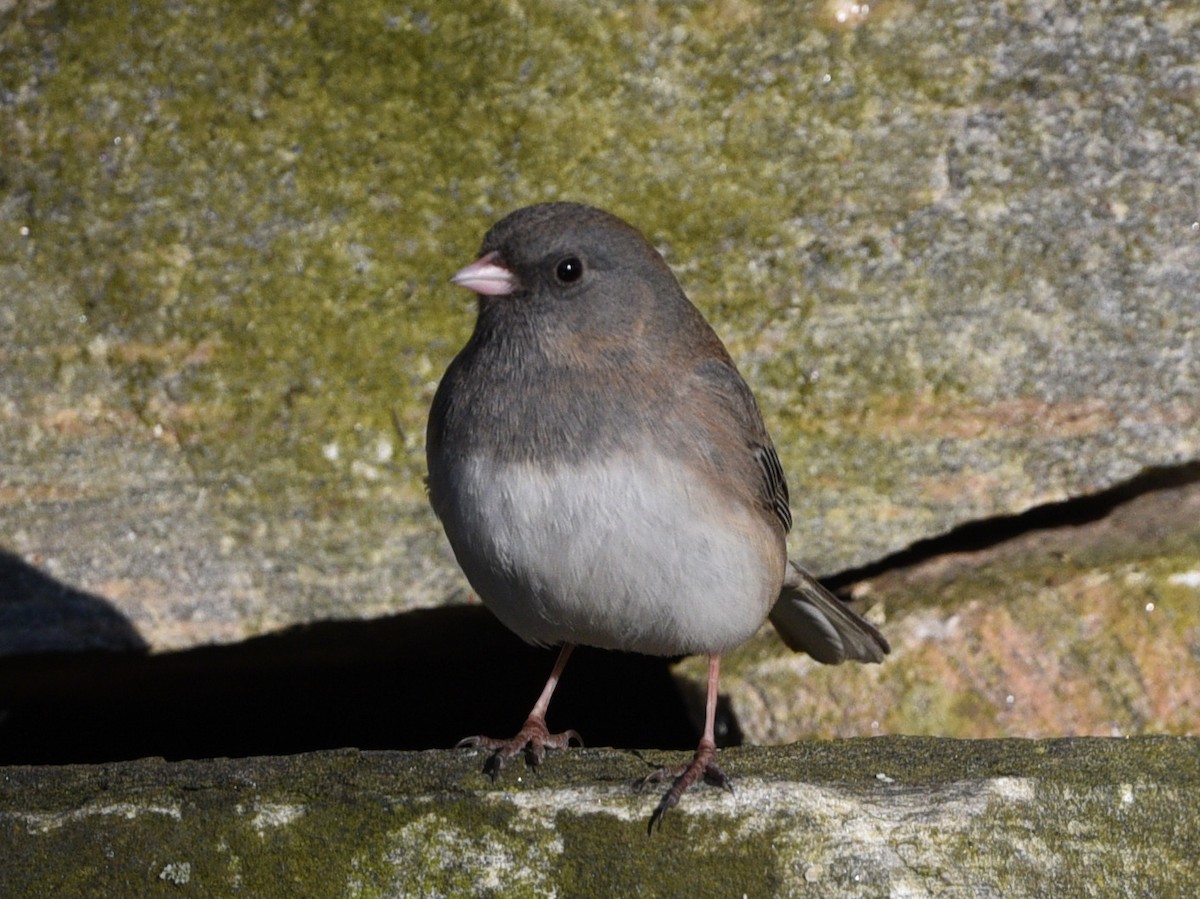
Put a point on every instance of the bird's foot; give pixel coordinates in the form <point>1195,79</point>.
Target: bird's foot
<point>703,765</point>
<point>533,739</point>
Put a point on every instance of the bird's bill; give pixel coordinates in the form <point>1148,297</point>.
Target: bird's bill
<point>486,276</point>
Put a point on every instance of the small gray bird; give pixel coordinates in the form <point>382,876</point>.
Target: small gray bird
<point>604,475</point>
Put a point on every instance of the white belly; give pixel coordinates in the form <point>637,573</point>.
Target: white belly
<point>625,553</point>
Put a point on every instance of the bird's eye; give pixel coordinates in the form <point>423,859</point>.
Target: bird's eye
<point>569,269</point>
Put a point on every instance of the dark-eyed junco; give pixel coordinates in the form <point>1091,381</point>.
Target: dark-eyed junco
<point>603,473</point>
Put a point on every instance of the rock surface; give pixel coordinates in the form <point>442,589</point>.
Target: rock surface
<point>882,817</point>
<point>956,250</point>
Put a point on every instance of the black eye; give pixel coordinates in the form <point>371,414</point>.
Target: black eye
<point>569,269</point>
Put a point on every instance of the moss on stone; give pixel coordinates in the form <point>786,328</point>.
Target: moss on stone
<point>950,263</point>
<point>821,818</point>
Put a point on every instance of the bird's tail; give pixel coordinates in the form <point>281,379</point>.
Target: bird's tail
<point>811,619</point>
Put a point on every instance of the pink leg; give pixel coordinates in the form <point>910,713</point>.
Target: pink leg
<point>704,760</point>
<point>533,739</point>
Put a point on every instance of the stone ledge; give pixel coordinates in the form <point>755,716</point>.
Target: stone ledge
<point>883,816</point>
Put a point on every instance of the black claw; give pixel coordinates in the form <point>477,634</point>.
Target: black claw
<point>715,777</point>
<point>494,763</point>
<point>660,812</point>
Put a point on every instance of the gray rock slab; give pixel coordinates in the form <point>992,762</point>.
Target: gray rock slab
<point>880,817</point>
<point>955,249</point>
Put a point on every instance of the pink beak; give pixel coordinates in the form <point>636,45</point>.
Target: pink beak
<point>487,276</point>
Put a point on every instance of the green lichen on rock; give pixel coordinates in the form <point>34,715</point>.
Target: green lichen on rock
<point>1105,817</point>
<point>951,249</point>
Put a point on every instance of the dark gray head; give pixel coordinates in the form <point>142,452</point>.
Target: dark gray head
<point>561,248</point>
<point>579,269</point>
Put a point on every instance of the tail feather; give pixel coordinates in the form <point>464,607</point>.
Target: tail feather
<point>811,619</point>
